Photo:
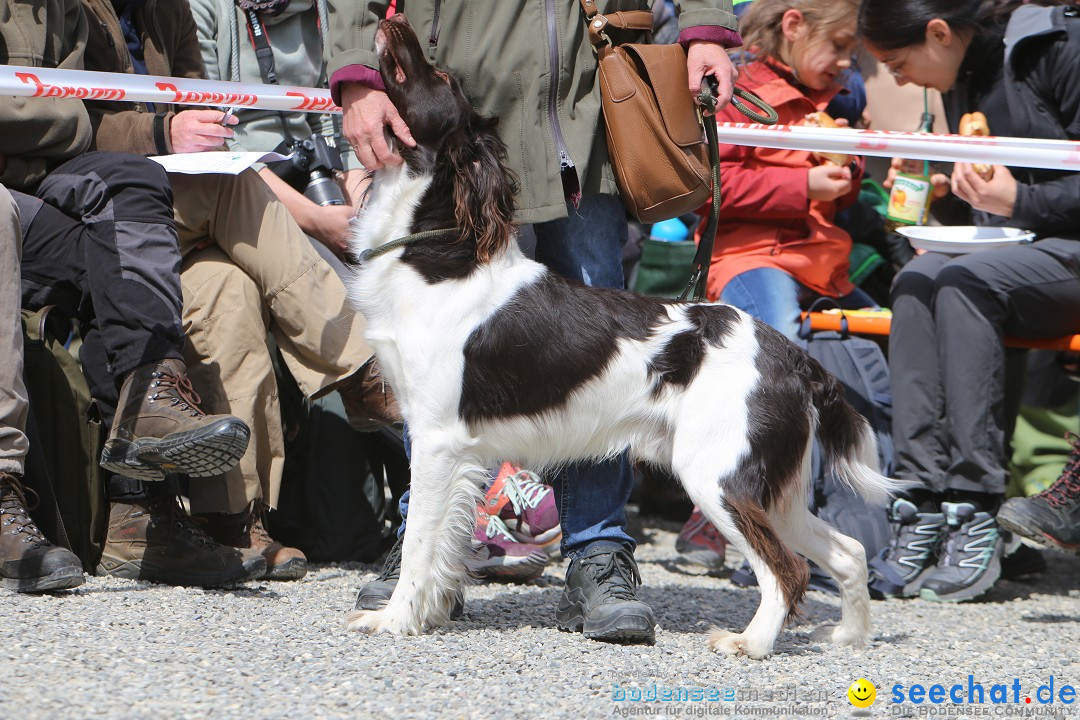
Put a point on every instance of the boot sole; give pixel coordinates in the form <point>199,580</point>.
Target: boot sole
<point>134,570</point>
<point>625,628</point>
<point>205,452</point>
<point>971,592</point>
<point>517,569</point>
<point>1019,526</point>
<point>62,579</point>
<point>289,570</point>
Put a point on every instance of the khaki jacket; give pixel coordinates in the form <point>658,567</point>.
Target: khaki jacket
<point>170,48</point>
<point>37,134</point>
<point>527,62</point>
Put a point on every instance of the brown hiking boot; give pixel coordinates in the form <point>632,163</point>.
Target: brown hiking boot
<point>246,531</point>
<point>156,540</point>
<point>369,402</point>
<point>159,429</point>
<point>28,562</point>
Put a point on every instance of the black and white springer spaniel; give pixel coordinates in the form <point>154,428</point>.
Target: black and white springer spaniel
<point>494,358</point>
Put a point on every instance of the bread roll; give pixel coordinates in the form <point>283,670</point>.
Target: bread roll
<point>820,119</point>
<point>975,125</point>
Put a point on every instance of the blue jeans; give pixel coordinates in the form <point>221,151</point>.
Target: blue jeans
<point>587,247</point>
<point>777,299</point>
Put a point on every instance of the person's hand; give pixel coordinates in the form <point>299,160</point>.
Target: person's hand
<point>707,58</point>
<point>996,195</point>
<point>939,182</point>
<point>199,130</point>
<point>828,182</point>
<point>366,114</point>
<point>330,226</point>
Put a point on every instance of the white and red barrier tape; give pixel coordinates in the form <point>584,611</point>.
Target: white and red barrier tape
<point>1017,152</point>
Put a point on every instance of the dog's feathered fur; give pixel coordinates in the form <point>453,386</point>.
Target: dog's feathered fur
<point>492,357</point>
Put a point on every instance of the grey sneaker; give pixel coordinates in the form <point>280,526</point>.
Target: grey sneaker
<point>899,568</point>
<point>600,599</point>
<point>375,594</point>
<point>969,559</point>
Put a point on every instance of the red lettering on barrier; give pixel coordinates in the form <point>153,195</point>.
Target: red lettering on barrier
<point>197,97</point>
<point>876,142</point>
<point>42,89</point>
<point>1073,158</point>
<point>312,103</point>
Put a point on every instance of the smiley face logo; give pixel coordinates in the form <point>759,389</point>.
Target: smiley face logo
<point>862,693</point>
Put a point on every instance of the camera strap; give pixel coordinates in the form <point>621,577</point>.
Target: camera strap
<point>264,54</point>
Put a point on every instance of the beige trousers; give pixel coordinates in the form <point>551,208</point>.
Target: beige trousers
<point>260,274</point>
<point>13,402</point>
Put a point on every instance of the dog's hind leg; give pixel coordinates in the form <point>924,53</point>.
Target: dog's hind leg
<point>782,576</point>
<point>845,560</point>
<point>442,513</point>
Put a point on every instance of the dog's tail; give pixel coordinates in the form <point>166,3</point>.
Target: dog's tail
<point>847,439</point>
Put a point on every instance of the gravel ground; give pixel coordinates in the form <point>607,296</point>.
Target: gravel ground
<point>117,648</point>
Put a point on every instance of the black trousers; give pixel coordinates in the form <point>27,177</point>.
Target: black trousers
<point>947,358</point>
<point>99,242</point>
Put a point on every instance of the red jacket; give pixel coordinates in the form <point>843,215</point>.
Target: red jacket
<point>766,216</point>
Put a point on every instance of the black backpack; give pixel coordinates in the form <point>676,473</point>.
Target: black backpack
<point>861,367</point>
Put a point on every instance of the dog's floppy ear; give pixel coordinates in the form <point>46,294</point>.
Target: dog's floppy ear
<point>484,189</point>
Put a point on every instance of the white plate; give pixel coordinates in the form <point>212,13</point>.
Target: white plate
<point>960,239</point>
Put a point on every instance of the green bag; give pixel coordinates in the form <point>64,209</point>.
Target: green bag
<point>665,267</point>
<point>66,436</point>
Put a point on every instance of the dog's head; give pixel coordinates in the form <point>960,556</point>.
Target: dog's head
<point>454,143</point>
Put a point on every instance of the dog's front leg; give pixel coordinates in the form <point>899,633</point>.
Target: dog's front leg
<point>442,514</point>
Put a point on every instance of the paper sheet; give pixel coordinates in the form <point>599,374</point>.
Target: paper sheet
<point>228,163</point>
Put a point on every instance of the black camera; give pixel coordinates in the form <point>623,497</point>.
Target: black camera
<point>310,168</point>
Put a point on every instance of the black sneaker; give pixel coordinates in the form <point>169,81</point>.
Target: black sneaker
<point>899,568</point>
<point>599,598</point>
<point>1051,518</point>
<point>376,593</point>
<point>969,559</point>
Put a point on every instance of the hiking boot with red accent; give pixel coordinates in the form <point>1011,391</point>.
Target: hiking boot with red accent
<point>246,530</point>
<point>28,562</point>
<point>159,429</point>
<point>156,540</point>
<point>1051,518</point>
<point>701,543</point>
<point>369,402</point>
<point>526,506</point>
<point>498,555</point>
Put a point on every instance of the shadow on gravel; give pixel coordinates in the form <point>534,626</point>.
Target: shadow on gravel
<point>1051,618</point>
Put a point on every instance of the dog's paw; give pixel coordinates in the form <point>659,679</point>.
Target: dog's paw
<point>729,643</point>
<point>374,621</point>
<point>839,635</point>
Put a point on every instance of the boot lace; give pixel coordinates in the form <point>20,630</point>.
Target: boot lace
<point>1068,484</point>
<point>14,510</point>
<point>391,569</point>
<point>177,389</point>
<point>615,574</point>
<point>181,522</point>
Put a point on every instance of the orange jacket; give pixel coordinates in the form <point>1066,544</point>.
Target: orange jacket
<point>766,216</point>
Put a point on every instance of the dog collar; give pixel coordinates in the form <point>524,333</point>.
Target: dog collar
<point>375,252</point>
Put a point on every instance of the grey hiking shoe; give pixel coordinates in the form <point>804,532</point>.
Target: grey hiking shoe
<point>600,598</point>
<point>899,568</point>
<point>969,558</point>
<point>376,593</point>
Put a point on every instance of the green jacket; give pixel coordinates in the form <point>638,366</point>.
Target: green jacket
<point>548,103</point>
<point>37,134</point>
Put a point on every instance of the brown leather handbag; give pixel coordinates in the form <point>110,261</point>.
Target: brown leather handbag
<point>663,164</point>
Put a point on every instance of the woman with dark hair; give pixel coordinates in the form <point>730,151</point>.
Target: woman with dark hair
<point>1017,64</point>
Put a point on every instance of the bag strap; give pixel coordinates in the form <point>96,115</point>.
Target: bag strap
<point>642,20</point>
<point>805,331</point>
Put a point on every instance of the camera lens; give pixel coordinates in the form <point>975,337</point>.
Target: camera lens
<point>322,189</point>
